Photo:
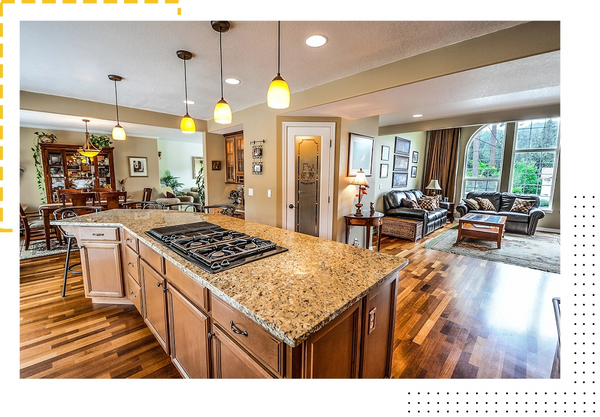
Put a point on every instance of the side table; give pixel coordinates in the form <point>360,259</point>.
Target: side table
<point>367,220</point>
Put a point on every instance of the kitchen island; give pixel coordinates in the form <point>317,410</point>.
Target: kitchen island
<point>319,309</point>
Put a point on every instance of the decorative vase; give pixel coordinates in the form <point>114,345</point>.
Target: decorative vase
<point>47,139</point>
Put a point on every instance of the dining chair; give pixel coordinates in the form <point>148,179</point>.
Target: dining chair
<point>147,194</point>
<point>59,193</point>
<point>65,213</point>
<point>224,209</point>
<point>143,205</point>
<point>112,199</point>
<point>33,228</point>
<point>78,199</point>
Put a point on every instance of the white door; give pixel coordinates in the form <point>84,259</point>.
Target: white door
<point>308,150</point>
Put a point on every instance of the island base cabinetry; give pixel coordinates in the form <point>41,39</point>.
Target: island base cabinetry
<point>155,304</point>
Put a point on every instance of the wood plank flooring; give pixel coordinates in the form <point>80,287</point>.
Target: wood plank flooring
<point>457,317</point>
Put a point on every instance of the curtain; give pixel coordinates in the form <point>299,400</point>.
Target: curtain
<point>442,159</point>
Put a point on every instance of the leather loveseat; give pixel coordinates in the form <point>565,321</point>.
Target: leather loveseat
<point>516,222</point>
<point>432,220</point>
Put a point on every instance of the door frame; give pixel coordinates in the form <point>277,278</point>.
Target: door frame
<point>322,129</point>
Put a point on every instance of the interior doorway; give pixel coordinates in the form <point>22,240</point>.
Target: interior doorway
<point>308,150</point>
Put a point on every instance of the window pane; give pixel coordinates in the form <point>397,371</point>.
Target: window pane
<point>533,173</point>
<point>485,152</point>
<point>537,134</point>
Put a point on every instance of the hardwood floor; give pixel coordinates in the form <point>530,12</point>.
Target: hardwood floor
<point>457,317</point>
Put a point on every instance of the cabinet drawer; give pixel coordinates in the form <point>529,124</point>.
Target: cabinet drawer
<point>130,240</point>
<point>99,233</point>
<point>265,348</point>
<point>152,258</point>
<point>132,263</point>
<point>192,290</point>
<point>135,293</point>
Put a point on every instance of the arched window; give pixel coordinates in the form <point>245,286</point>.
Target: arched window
<point>483,161</point>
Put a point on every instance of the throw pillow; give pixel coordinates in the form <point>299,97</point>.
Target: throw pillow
<point>485,204</point>
<point>408,203</point>
<point>428,203</point>
<point>471,203</point>
<point>171,195</point>
<point>522,206</point>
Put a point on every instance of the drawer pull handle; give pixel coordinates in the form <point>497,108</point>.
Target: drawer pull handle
<point>129,240</point>
<point>130,264</point>
<point>158,284</point>
<point>211,335</point>
<point>237,331</point>
<point>133,294</point>
<point>97,234</point>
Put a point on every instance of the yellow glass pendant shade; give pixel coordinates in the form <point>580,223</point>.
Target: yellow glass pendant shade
<point>222,112</point>
<point>118,133</point>
<point>278,96</point>
<point>187,124</point>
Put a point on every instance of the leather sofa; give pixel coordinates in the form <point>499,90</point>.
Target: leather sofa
<point>516,222</point>
<point>432,220</point>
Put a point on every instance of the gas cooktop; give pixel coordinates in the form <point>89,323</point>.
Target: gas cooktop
<point>212,247</point>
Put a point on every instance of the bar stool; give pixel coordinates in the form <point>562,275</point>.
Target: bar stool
<point>65,213</point>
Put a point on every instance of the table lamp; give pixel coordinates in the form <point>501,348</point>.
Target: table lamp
<point>361,181</point>
<point>434,185</point>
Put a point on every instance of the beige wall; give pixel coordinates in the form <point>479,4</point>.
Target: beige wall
<point>123,149</point>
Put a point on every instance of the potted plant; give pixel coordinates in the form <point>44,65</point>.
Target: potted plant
<point>169,180</point>
<point>100,142</point>
<point>43,137</point>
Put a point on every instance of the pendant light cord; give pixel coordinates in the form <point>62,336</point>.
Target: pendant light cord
<point>185,82</point>
<point>116,102</point>
<point>278,46</point>
<point>221,55</point>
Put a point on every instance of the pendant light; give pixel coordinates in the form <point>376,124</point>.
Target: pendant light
<point>222,113</point>
<point>118,133</point>
<point>278,96</point>
<point>88,149</point>
<point>187,123</point>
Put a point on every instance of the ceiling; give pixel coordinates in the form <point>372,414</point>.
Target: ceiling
<point>73,59</point>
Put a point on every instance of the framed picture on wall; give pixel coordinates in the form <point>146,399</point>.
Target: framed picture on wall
<point>138,166</point>
<point>360,155</point>
<point>399,179</point>
<point>197,162</point>
<point>385,153</point>
<point>400,163</point>
<point>415,157</point>
<point>383,170</point>
<point>402,146</point>
<point>413,172</point>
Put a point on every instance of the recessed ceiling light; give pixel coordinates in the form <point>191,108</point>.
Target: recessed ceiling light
<point>417,115</point>
<point>232,81</point>
<point>189,101</point>
<point>315,41</point>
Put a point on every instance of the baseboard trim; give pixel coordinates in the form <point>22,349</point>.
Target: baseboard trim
<point>548,230</point>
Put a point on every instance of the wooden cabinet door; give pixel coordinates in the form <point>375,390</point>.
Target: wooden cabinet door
<point>155,304</point>
<point>229,159</point>
<point>333,352</point>
<point>239,158</point>
<point>379,319</point>
<point>189,328</point>
<point>102,272</point>
<point>231,361</point>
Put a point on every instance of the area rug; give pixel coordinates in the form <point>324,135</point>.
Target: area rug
<point>540,251</point>
<point>38,249</point>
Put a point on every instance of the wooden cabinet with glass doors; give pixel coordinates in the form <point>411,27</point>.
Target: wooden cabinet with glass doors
<point>64,167</point>
<point>234,158</point>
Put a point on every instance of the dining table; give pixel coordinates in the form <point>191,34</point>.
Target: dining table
<point>46,210</point>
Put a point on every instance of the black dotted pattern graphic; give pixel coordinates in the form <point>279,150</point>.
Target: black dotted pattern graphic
<point>575,391</point>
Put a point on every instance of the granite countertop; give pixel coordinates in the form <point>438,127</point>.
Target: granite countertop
<point>292,294</point>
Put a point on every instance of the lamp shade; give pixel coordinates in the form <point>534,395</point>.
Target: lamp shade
<point>222,112</point>
<point>433,185</point>
<point>187,124</point>
<point>360,178</point>
<point>278,96</point>
<point>118,133</point>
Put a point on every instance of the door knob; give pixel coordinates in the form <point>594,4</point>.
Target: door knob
<point>291,206</point>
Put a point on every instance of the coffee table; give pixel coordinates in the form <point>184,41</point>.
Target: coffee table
<point>482,226</point>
